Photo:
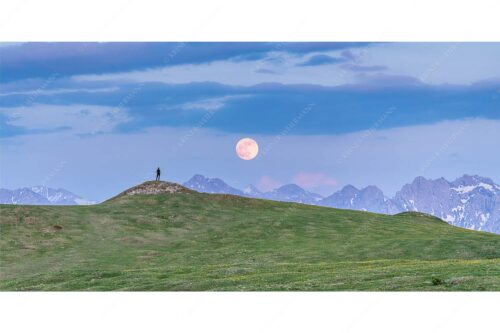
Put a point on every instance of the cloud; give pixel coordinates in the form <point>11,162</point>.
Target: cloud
<point>77,119</point>
<point>381,81</point>
<point>268,108</point>
<point>349,55</point>
<point>432,61</point>
<point>31,60</point>
<point>362,68</point>
<point>239,63</point>
<point>265,71</point>
<point>312,180</point>
<point>320,59</point>
<point>43,91</point>
<point>323,59</point>
<point>266,183</point>
<point>207,104</point>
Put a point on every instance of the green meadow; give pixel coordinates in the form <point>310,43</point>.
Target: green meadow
<point>195,241</point>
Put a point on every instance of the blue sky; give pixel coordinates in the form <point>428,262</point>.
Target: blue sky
<point>96,118</point>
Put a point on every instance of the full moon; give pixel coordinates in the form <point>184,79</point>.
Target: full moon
<point>247,149</point>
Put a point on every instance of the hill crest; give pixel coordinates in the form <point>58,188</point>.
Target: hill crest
<point>155,187</point>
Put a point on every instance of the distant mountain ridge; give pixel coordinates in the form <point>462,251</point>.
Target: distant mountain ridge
<point>471,202</point>
<point>287,193</point>
<point>41,195</point>
<point>210,185</point>
<point>370,199</point>
<point>293,193</point>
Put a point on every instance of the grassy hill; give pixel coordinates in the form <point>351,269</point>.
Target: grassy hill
<point>194,241</point>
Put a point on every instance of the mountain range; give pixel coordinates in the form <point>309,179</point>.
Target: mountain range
<point>471,202</point>
<point>41,195</point>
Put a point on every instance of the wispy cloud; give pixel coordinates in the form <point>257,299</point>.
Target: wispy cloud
<point>30,60</point>
<point>362,68</point>
<point>326,68</point>
<point>60,91</point>
<point>208,104</point>
<point>266,183</point>
<point>321,59</point>
<point>324,59</point>
<point>77,119</point>
<point>313,180</point>
<point>265,71</point>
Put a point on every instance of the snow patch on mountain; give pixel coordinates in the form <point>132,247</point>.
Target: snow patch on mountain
<point>466,189</point>
<point>471,202</point>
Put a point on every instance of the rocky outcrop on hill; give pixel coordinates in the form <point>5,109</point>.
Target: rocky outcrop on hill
<point>155,187</point>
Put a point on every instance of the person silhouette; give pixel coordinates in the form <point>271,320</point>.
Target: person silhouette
<point>158,172</point>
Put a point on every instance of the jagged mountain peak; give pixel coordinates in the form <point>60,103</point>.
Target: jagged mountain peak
<point>293,193</point>
<point>201,183</point>
<point>198,177</point>
<point>251,190</point>
<point>349,189</point>
<point>469,183</point>
<point>369,198</point>
<point>471,179</point>
<point>372,189</point>
<point>422,181</point>
<point>41,195</point>
<point>470,201</point>
<point>290,188</point>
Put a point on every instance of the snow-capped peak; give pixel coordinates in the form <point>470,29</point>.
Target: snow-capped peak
<point>42,195</point>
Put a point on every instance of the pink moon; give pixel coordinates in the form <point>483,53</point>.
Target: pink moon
<point>247,149</point>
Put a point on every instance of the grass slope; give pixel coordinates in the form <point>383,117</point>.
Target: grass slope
<point>194,241</point>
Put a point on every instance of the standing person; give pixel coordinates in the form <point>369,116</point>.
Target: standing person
<point>158,172</point>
